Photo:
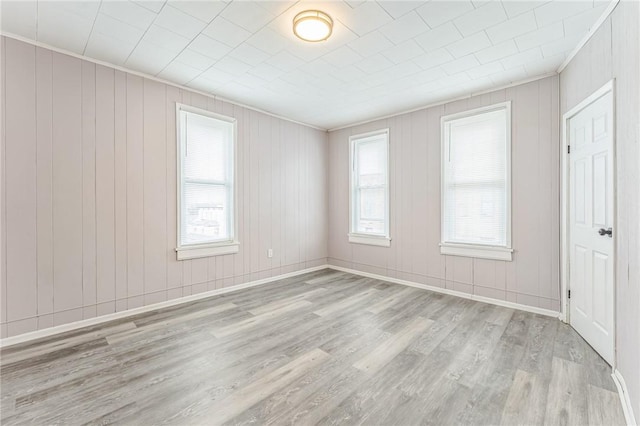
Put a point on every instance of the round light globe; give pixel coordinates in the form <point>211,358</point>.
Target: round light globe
<point>312,25</point>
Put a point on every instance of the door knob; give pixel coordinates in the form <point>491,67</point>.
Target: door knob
<point>608,232</point>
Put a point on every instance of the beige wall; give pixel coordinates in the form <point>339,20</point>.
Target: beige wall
<point>89,193</point>
<point>614,52</point>
<point>532,277</point>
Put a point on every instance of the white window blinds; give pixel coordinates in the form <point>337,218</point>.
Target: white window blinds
<point>476,175</point>
<point>369,184</point>
<point>206,179</point>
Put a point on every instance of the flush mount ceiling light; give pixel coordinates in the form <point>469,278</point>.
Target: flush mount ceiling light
<point>312,25</point>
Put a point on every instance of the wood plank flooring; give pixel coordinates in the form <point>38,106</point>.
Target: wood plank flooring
<point>323,348</point>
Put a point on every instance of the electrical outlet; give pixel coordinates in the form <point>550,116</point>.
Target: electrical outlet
<point>270,253</point>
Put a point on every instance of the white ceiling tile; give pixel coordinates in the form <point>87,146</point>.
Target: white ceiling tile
<point>485,70</point>
<point>129,12</point>
<point>512,28</point>
<point>247,14</point>
<point>285,61</point>
<point>397,8</point>
<point>541,36</point>
<point>195,59</point>
<point>108,49</point>
<point>268,41</point>
<point>403,52</point>
<point>509,76</point>
<point>153,5</point>
<point>433,58</point>
<point>481,18</point>
<point>404,28</point>
<point>266,72</point>
<point>365,18</point>
<point>370,44</point>
<point>19,18</point>
<point>84,9</point>
<point>226,32</point>
<point>459,65</point>
<point>276,7</point>
<point>73,35</point>
<point>374,63</point>
<point>203,10</point>
<point>249,54</point>
<point>342,57</point>
<point>116,29</point>
<point>318,68</point>
<point>583,22</point>
<point>438,37</point>
<point>350,74</point>
<point>203,84</point>
<point>546,65</point>
<point>429,75</point>
<point>150,58</point>
<point>217,76</point>
<point>165,38</point>
<point>307,52</point>
<point>469,44</point>
<point>562,46</point>
<point>523,58</point>
<point>496,52</point>
<point>556,11</point>
<point>179,22</point>
<point>209,47</point>
<point>232,66</point>
<point>517,7</point>
<point>179,72</point>
<point>436,13</point>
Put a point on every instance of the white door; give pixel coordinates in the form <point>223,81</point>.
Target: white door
<point>591,237</point>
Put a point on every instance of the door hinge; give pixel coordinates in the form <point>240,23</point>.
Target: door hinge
<point>568,149</point>
<point>569,294</point>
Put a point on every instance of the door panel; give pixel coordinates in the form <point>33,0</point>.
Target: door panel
<point>591,255</point>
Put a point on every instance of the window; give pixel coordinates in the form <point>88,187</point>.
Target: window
<point>476,183</point>
<point>369,199</point>
<point>206,194</point>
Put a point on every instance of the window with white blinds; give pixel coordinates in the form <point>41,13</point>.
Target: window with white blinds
<point>369,199</point>
<point>476,175</point>
<point>206,196</point>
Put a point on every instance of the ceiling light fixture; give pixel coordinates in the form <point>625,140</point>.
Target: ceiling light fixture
<point>312,25</point>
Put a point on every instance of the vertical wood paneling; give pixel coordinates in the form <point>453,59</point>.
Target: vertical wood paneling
<point>135,191</point>
<point>155,197</point>
<point>67,183</point>
<point>120,184</point>
<point>415,201</point>
<point>89,189</point>
<point>3,193</point>
<point>20,174</point>
<point>98,185</point>
<point>105,183</point>
<point>45,180</point>
<point>174,268</point>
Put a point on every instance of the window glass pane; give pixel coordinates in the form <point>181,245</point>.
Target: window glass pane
<point>372,211</point>
<point>206,148</point>
<point>475,180</point>
<point>205,214</point>
<point>372,162</point>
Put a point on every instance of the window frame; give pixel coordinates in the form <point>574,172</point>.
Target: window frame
<point>197,250</point>
<point>481,251</point>
<point>382,240</point>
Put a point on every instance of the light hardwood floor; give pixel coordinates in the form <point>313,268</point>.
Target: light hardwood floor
<point>323,348</point>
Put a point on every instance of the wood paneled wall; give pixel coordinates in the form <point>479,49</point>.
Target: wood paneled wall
<point>89,193</point>
<point>532,278</point>
<point>613,52</point>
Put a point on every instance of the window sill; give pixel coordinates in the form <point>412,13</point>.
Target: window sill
<point>207,250</point>
<point>477,251</point>
<point>372,240</point>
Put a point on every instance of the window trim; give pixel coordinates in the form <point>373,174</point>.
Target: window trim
<point>482,251</point>
<point>383,240</point>
<point>192,251</point>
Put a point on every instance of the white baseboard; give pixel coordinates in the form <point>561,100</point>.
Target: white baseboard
<point>26,337</point>
<point>461,294</point>
<point>625,399</point>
